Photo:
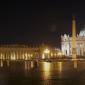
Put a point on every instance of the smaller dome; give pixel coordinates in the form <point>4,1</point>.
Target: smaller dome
<point>82,32</point>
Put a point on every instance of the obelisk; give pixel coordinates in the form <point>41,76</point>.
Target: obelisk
<point>73,38</point>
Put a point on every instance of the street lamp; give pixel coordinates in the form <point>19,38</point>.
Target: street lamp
<point>45,53</point>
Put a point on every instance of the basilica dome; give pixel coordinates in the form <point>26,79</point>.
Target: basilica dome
<point>82,32</point>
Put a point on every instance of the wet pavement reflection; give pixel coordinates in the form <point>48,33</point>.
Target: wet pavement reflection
<point>42,73</point>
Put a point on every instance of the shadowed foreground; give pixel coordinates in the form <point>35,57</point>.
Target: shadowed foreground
<point>42,73</point>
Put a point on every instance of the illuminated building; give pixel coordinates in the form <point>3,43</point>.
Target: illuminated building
<point>66,44</point>
<point>15,52</point>
<point>24,52</point>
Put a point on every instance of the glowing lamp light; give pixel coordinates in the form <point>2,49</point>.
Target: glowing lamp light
<point>51,54</point>
<point>59,54</point>
<point>13,57</point>
<point>47,51</point>
<point>31,55</point>
<point>43,56</point>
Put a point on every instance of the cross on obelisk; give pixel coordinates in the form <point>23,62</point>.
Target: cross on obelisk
<point>73,38</point>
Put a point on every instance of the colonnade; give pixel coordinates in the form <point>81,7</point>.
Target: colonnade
<point>18,53</point>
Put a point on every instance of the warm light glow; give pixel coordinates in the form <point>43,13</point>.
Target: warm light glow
<point>46,69</point>
<point>1,63</point>
<point>25,54</point>
<point>51,54</point>
<point>75,64</point>
<point>47,51</point>
<point>13,57</point>
<point>46,66</point>
<point>31,55</point>
<point>60,66</point>
<point>43,56</point>
<point>1,56</point>
<point>32,64</point>
<point>28,65</point>
<point>26,57</point>
<point>60,54</point>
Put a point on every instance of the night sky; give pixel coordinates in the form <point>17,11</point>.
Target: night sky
<point>36,22</point>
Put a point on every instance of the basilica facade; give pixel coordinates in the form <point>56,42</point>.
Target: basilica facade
<point>66,44</point>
